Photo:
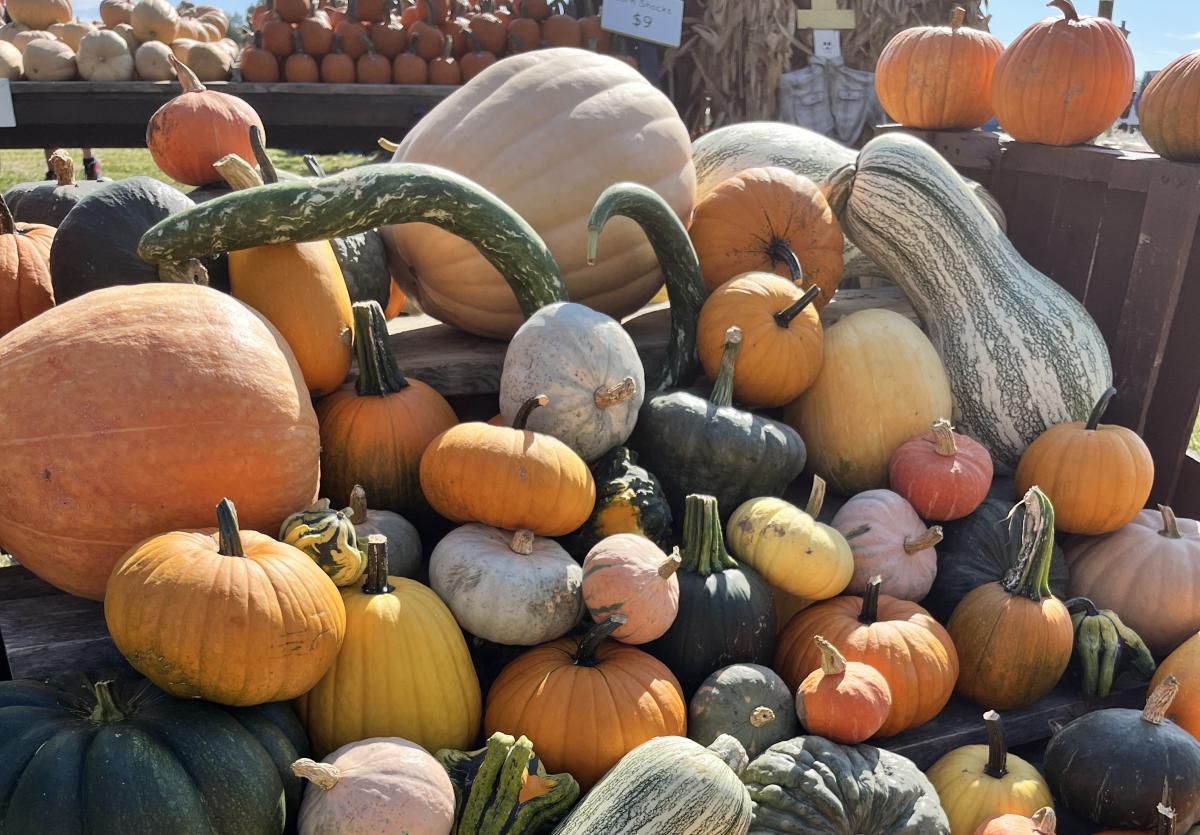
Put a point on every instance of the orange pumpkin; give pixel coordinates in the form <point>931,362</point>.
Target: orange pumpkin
<point>389,37</point>
<point>898,638</point>
<point>410,68</point>
<point>316,34</point>
<point>846,701</point>
<point>944,475</point>
<point>562,30</point>
<point>1043,822</point>
<point>445,69</point>
<point>25,288</point>
<point>293,11</point>
<point>491,31</point>
<point>1063,81</point>
<point>372,67</point>
<point>1184,664</point>
<point>939,77</point>
<point>475,61</point>
<point>1014,638</point>
<point>337,67</point>
<point>300,67</point>
<point>259,65</point>
<point>456,31</point>
<point>524,35</point>
<point>370,10</point>
<point>781,337</point>
<point>1169,109</point>
<point>198,127</point>
<point>221,409</point>
<point>768,220</point>
<point>374,431</point>
<point>425,37</point>
<point>630,697</point>
<point>230,616</point>
<point>354,36</point>
<point>513,479</point>
<point>1097,476</point>
<point>277,36</point>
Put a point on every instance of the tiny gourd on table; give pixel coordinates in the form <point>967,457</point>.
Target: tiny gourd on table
<point>628,575</point>
<point>726,611</point>
<point>942,474</point>
<point>194,610</point>
<point>747,701</point>
<point>431,699</point>
<point>405,553</point>
<point>629,499</point>
<point>384,784</point>
<point>980,782</point>
<point>507,587</point>
<point>48,202</point>
<point>503,788</point>
<point>887,537</point>
<point>374,430</point>
<point>843,701</point>
<point>328,537</point>
<point>25,286</point>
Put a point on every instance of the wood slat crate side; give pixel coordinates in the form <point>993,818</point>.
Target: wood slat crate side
<point>1185,499</point>
<point>1112,264</point>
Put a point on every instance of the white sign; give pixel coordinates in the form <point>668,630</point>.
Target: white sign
<point>656,21</point>
<point>8,118</point>
<point>827,43</point>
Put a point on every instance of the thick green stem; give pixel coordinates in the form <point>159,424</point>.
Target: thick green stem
<point>378,375</point>
<point>784,317</point>
<point>375,580</point>
<point>229,537</point>
<point>997,763</point>
<point>1030,577</point>
<point>585,654</point>
<point>1084,603</point>
<point>703,549</point>
<point>106,709</point>
<point>1098,410</point>
<point>722,391</point>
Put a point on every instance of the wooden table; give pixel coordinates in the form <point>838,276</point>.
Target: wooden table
<point>300,117</point>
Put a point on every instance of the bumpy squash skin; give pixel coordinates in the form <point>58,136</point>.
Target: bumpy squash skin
<point>747,701</point>
<point>629,499</point>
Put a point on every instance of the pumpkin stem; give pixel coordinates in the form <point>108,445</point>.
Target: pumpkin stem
<point>106,709</point>
<point>378,375</point>
<point>1160,700</point>
<point>870,605</point>
<point>526,410</point>
<point>605,397</point>
<point>585,653</point>
<point>784,317</point>
<point>781,252</point>
<point>680,268</point>
<point>1045,822</point>
<point>997,763</point>
<point>383,142</point>
<point>957,17</point>
<point>703,541</point>
<point>314,166</point>
<point>375,580</point>
<point>191,271</point>
<point>63,167</point>
<point>265,166</point>
<point>229,537</point>
<point>187,79</point>
<point>943,438</point>
<point>722,392</point>
<point>1166,817</point>
<point>1170,527</point>
<point>1030,577</point>
<point>671,564</point>
<point>816,497</point>
<point>833,663</point>
<point>1088,607</point>
<point>323,775</point>
<point>837,188</point>
<point>1098,410</point>
<point>730,752</point>
<point>522,542</point>
<point>238,173</point>
<point>1067,8</point>
<point>761,716</point>
<point>358,505</point>
<point>930,538</point>
<point>7,225</point>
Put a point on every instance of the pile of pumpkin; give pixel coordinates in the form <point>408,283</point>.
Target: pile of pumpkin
<point>621,594</point>
<point>446,42</point>
<point>141,40</point>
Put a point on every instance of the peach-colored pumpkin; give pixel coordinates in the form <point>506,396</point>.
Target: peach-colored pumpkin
<point>887,537</point>
<point>626,574</point>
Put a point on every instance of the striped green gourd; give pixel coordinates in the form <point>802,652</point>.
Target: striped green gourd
<point>668,786</point>
<point>354,201</point>
<point>327,536</point>
<point>1021,353</point>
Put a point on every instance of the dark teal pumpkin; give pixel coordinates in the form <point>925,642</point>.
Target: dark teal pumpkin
<point>629,499</point>
<point>118,756</point>
<point>49,201</point>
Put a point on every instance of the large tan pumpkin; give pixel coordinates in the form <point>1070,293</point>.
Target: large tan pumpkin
<point>133,411</point>
<point>547,131</point>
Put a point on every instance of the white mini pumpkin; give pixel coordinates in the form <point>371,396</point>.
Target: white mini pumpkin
<point>154,20</point>
<point>9,31</point>
<point>104,56</point>
<point>508,588</point>
<point>50,60</point>
<point>11,63</point>
<point>71,32</point>
<point>888,538</point>
<point>587,365</point>
<point>153,61</point>
<point>22,40</point>
<point>403,542</point>
<point>210,61</point>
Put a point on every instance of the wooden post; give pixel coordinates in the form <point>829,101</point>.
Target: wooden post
<point>1106,9</point>
<point>825,19</point>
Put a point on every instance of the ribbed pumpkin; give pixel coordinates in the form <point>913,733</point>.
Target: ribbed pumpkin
<point>328,537</point>
<point>781,337</point>
<point>938,77</point>
<point>979,782</point>
<point>507,478</point>
<point>25,287</point>
<point>898,638</point>
<point>109,476</point>
<point>1063,80</point>
<point>632,696</point>
<point>1014,637</point>
<point>1098,476</point>
<point>942,474</point>
<point>628,575</point>
<point>1169,110</point>
<point>747,701</point>
<point>229,616</point>
<point>845,701</point>
<point>586,100</point>
<point>374,431</point>
<point>769,220</point>
<point>1184,664</point>
<point>198,127</point>
<point>404,669</point>
<point>888,538</point>
<point>1041,822</point>
<point>881,382</point>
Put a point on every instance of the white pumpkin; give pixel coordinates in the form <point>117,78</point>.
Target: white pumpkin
<point>11,62</point>
<point>131,41</point>
<point>50,60</point>
<point>888,538</point>
<point>153,61</point>
<point>508,588</point>
<point>9,31</point>
<point>22,40</point>
<point>403,542</point>
<point>154,20</point>
<point>115,12</point>
<point>71,32</point>
<point>587,365</point>
<point>104,56</point>
<point>39,14</point>
<point>210,62</point>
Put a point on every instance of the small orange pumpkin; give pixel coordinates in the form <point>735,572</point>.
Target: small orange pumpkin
<point>277,36</point>
<point>25,288</point>
<point>372,67</point>
<point>524,35</point>
<point>389,37</point>
<point>259,65</point>
<point>944,475</point>
<point>475,61</point>
<point>316,34</point>
<point>560,29</point>
<point>491,31</point>
<point>300,67</point>
<point>410,68</point>
<point>846,701</point>
<point>293,11</point>
<point>337,67</point>
<point>445,69</point>
<point>1169,110</point>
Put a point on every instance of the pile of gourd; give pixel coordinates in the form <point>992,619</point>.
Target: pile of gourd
<point>611,585</point>
<point>143,40</point>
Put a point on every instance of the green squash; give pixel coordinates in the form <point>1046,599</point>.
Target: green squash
<point>726,611</point>
<point>328,536</point>
<point>489,785</point>
<point>629,499</point>
<point>811,785</point>
<point>980,549</point>
<point>49,201</point>
<point>118,756</point>
<point>749,702</point>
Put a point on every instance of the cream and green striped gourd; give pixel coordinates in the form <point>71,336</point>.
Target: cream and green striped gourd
<point>1021,353</point>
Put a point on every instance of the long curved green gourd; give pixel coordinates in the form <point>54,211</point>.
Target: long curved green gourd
<point>680,267</point>
<point>359,199</point>
<point>1021,353</point>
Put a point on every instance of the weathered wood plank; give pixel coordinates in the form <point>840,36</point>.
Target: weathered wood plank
<point>18,583</point>
<point>45,636</point>
<point>1113,259</point>
<point>1075,232</point>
